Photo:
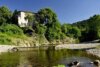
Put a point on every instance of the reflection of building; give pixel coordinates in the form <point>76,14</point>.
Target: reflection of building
<point>22,18</point>
<point>22,21</point>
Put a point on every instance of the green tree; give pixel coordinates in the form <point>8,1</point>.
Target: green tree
<point>54,32</point>
<point>30,18</point>
<point>40,29</point>
<point>64,28</point>
<point>49,19</point>
<point>46,15</point>
<point>90,28</point>
<point>5,15</point>
<point>74,32</point>
<point>15,17</point>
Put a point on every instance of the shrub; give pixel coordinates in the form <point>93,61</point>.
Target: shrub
<point>4,39</point>
<point>11,29</point>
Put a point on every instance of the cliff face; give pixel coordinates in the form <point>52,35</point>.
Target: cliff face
<point>22,42</point>
<point>29,41</point>
<point>39,41</point>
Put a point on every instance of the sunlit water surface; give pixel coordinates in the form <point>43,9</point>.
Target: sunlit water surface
<point>45,58</point>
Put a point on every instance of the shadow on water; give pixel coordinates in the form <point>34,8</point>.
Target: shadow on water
<point>44,58</point>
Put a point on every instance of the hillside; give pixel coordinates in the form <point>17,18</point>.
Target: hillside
<point>43,27</point>
<point>29,28</point>
<point>90,28</point>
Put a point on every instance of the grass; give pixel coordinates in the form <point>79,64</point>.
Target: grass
<point>4,39</point>
<point>8,39</point>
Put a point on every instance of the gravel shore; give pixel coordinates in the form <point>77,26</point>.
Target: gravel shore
<point>94,52</point>
<point>5,48</point>
<point>77,46</point>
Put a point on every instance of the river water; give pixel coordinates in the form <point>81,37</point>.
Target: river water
<point>45,58</point>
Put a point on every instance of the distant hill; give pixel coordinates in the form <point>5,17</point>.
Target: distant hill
<point>90,28</point>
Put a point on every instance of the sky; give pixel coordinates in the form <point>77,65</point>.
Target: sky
<point>68,11</point>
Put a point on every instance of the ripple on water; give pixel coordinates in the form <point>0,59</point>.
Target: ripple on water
<point>84,61</point>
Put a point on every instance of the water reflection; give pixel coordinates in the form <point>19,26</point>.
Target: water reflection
<point>9,59</point>
<point>45,58</point>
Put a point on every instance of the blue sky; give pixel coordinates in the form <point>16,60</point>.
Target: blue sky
<point>68,11</point>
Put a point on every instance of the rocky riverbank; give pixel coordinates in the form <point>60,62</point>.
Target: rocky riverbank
<point>6,48</point>
<point>94,52</point>
<point>77,46</point>
<point>90,47</point>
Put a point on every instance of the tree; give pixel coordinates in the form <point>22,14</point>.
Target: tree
<point>54,32</point>
<point>48,18</point>
<point>30,18</point>
<point>64,28</point>
<point>90,28</point>
<point>46,15</point>
<point>5,15</point>
<point>74,32</point>
<point>14,17</point>
<point>51,34</point>
<point>40,29</point>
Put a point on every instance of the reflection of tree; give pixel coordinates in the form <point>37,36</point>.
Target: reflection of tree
<point>40,58</point>
<point>37,58</point>
<point>53,57</point>
<point>9,60</point>
<point>49,56</point>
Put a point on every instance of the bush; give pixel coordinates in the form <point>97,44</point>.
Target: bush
<point>11,29</point>
<point>4,39</point>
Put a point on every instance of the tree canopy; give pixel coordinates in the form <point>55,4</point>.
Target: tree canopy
<point>46,15</point>
<point>5,15</point>
<point>90,28</point>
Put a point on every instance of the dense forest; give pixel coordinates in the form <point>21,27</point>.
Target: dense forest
<point>45,26</point>
<point>90,28</point>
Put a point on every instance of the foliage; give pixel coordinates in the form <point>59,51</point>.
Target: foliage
<point>44,23</point>
<point>71,31</point>
<point>47,23</point>
<point>74,32</point>
<point>11,29</point>
<point>54,32</point>
<point>40,29</point>
<point>64,28</point>
<point>14,17</point>
<point>90,28</point>
<point>46,15</point>
<point>9,32</point>
<point>30,18</point>
<point>5,15</point>
<point>4,39</point>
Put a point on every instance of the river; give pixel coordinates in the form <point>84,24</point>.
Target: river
<point>45,58</point>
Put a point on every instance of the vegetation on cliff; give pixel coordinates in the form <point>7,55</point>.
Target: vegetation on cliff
<point>90,28</point>
<point>44,27</point>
